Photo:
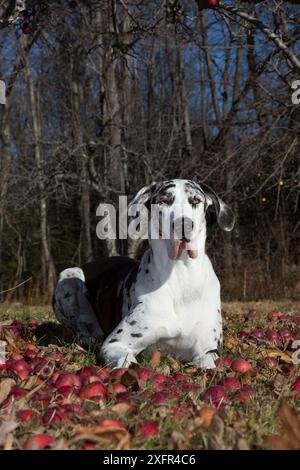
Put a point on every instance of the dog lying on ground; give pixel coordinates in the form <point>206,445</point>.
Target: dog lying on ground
<point>170,299</point>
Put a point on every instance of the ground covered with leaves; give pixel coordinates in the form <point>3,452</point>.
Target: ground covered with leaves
<point>54,395</point>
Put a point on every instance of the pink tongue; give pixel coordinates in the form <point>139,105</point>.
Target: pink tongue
<point>177,248</point>
<point>180,245</point>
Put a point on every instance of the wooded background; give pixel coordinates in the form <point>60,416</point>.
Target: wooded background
<point>106,96</point>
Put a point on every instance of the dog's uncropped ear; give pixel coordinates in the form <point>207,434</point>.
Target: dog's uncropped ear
<point>143,196</point>
<point>225,216</point>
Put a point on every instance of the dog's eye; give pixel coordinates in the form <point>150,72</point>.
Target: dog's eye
<point>164,200</point>
<point>195,201</point>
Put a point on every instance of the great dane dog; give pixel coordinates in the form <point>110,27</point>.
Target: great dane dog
<point>170,299</point>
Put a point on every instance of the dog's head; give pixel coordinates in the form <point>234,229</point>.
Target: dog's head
<point>177,210</point>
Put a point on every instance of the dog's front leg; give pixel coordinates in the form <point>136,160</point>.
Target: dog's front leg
<point>135,333</point>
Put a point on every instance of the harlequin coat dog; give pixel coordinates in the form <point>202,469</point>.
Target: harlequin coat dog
<point>170,299</point>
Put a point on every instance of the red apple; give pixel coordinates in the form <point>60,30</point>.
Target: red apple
<point>230,383</point>
<point>244,394</point>
<point>103,373</point>
<point>224,361</point>
<point>286,335</point>
<point>52,416</point>
<point>274,315</point>
<point>117,388</point>
<point>73,408</point>
<point>161,397</point>
<point>216,395</point>
<point>87,372</point>
<point>30,353</point>
<point>68,378</point>
<point>296,384</point>
<point>39,441</point>
<point>16,393</point>
<point>273,336</point>
<point>91,379</point>
<point>242,334</point>
<point>257,334</point>
<point>252,312</point>
<point>180,377</point>
<point>147,429</point>
<point>66,390</point>
<point>145,374</point>
<point>18,365</point>
<point>95,389</point>
<point>25,416</point>
<point>241,366</point>
<point>117,373</point>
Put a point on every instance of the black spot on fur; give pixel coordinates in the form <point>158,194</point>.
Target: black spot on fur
<point>113,340</point>
<point>147,271</point>
<point>215,330</point>
<point>133,322</point>
<point>119,331</point>
<point>136,335</point>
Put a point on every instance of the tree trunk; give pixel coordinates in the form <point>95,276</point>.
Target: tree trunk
<point>86,251</point>
<point>48,281</point>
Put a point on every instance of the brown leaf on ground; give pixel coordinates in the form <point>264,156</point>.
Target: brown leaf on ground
<point>121,409</point>
<point>216,433</point>
<point>174,364</point>
<point>277,353</point>
<point>155,359</point>
<point>11,342</point>
<point>98,433</point>
<point>206,415</point>
<point>178,441</point>
<point>6,428</point>
<point>231,343</point>
<point>288,437</point>
<point>5,387</point>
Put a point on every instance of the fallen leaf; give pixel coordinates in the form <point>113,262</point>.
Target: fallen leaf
<point>5,430</point>
<point>277,353</point>
<point>206,415</point>
<point>121,408</point>
<point>288,437</point>
<point>216,433</point>
<point>231,343</point>
<point>155,358</point>
<point>179,441</point>
<point>5,387</point>
<point>100,433</point>
<point>174,364</point>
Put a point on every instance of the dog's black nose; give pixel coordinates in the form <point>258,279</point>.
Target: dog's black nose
<point>183,228</point>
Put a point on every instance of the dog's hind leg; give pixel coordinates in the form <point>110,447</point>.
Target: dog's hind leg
<point>73,309</point>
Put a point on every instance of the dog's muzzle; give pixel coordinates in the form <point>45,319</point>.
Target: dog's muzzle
<point>182,235</point>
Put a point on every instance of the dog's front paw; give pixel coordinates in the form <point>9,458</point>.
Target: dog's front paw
<point>126,361</point>
<point>116,357</point>
<point>207,361</point>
